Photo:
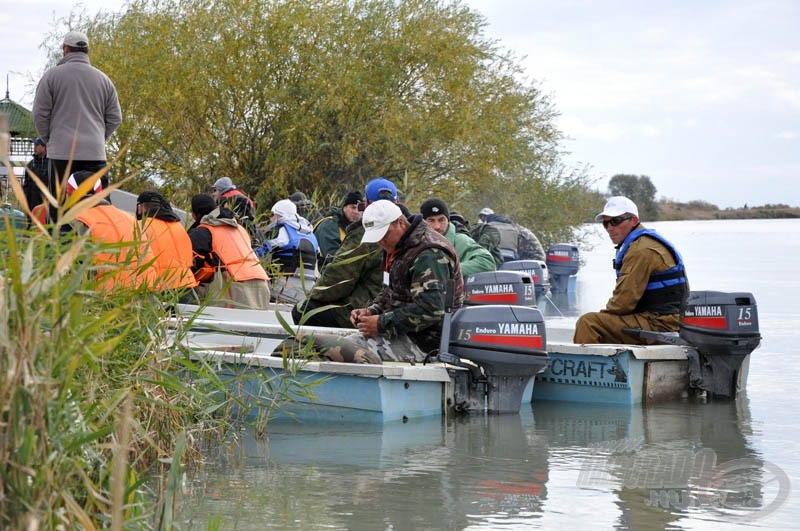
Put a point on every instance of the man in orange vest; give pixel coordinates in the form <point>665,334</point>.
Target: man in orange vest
<point>127,265</point>
<point>225,264</point>
<point>168,241</point>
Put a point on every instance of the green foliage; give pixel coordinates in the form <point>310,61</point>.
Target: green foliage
<point>320,95</point>
<point>640,190</point>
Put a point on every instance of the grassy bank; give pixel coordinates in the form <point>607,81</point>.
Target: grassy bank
<point>674,211</point>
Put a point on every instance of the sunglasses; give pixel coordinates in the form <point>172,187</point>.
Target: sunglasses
<point>615,221</point>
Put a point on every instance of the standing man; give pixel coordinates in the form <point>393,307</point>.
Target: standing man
<point>39,166</point>
<point>473,257</point>
<point>651,284</point>
<point>404,323</point>
<point>76,110</point>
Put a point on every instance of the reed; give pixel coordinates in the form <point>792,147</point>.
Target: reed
<point>100,406</point>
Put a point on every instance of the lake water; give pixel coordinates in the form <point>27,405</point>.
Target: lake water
<point>555,466</point>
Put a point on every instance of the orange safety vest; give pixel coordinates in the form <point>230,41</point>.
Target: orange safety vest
<point>108,224</point>
<point>232,246</point>
<point>170,244</point>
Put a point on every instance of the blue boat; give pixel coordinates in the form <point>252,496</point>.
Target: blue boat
<point>496,358</point>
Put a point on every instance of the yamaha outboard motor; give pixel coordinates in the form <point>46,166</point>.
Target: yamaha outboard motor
<point>535,268</point>
<point>723,327</point>
<point>506,348</point>
<point>499,287</point>
<point>563,262</point>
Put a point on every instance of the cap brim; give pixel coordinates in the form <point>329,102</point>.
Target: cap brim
<point>374,234</point>
<point>608,213</point>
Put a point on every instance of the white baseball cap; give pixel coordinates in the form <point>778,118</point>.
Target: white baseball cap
<point>377,218</point>
<point>617,206</point>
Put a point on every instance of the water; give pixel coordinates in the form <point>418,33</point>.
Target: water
<point>554,465</point>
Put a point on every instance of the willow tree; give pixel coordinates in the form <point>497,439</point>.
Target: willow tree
<point>322,95</point>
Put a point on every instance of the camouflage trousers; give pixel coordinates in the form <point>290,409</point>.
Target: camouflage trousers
<point>331,347</point>
<point>399,348</point>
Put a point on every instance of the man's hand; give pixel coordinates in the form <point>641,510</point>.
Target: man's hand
<point>357,314</point>
<point>368,325</point>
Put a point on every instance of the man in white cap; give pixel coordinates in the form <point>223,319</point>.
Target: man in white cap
<point>651,288</point>
<point>76,110</point>
<point>404,322</point>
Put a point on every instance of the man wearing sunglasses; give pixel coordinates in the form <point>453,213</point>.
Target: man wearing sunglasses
<point>651,287</point>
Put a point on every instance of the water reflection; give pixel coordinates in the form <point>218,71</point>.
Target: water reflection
<point>663,463</point>
<point>487,471</point>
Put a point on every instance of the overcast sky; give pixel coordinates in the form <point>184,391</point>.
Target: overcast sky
<point>701,96</point>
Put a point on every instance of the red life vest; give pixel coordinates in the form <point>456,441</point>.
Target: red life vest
<point>128,264</point>
<point>232,246</point>
<point>172,248</point>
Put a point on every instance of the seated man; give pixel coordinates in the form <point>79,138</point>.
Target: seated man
<point>404,323</point>
<point>353,277</point>
<point>651,283</point>
<point>332,229</point>
<point>227,195</point>
<point>128,265</point>
<point>226,267</point>
<point>473,257</point>
<point>168,241</point>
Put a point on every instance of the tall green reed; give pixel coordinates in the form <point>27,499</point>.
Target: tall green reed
<point>101,404</point>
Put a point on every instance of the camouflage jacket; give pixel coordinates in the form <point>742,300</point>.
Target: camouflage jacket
<point>488,237</point>
<point>423,265</point>
<point>354,276</point>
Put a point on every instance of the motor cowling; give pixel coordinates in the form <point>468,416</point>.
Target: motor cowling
<point>563,261</point>
<point>723,328</point>
<point>499,287</point>
<point>508,343</point>
<point>535,268</point>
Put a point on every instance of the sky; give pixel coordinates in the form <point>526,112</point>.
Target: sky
<point>703,97</point>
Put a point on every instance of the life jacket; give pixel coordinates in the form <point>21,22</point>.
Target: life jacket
<point>131,264</point>
<point>666,291</point>
<point>172,248</point>
<point>234,192</point>
<point>40,212</point>
<point>232,247</point>
<point>509,236</point>
<point>302,247</point>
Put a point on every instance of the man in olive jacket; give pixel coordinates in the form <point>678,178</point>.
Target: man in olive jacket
<point>353,277</point>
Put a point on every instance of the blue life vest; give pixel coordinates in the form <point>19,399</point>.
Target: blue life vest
<point>666,291</point>
<point>302,246</point>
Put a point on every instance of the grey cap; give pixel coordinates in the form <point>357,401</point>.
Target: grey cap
<point>223,184</point>
<point>76,39</point>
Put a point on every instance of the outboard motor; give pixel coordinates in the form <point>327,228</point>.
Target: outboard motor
<point>499,287</point>
<point>723,327</point>
<point>506,345</point>
<point>535,268</point>
<point>563,262</point>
